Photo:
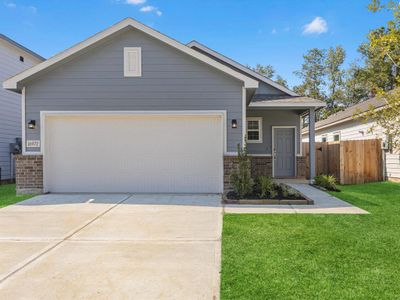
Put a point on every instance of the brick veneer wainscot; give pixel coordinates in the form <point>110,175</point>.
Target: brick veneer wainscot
<point>29,171</point>
<point>260,166</point>
<point>29,174</point>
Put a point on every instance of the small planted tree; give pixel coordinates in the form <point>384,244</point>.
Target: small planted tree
<point>241,178</point>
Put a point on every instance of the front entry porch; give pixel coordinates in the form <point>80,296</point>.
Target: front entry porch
<point>273,135</point>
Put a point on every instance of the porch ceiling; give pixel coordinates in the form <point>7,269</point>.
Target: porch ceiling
<point>277,101</point>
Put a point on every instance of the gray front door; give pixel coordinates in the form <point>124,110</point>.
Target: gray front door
<point>284,152</point>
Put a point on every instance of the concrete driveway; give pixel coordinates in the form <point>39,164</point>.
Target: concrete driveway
<point>115,246</point>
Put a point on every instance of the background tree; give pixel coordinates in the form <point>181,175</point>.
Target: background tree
<point>280,80</point>
<point>386,118</point>
<point>384,44</point>
<point>265,70</point>
<point>355,87</point>
<point>312,74</point>
<point>377,72</point>
<point>269,72</point>
<point>335,79</point>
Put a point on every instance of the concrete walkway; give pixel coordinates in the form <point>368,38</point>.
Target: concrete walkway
<point>324,203</point>
<point>115,246</point>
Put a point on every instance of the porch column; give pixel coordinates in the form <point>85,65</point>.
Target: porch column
<point>311,137</point>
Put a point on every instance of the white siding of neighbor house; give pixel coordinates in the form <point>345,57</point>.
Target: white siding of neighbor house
<point>10,102</point>
<point>393,165</point>
<point>171,80</point>
<point>356,130</point>
<point>351,130</point>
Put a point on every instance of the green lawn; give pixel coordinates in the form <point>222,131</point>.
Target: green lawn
<point>8,197</point>
<point>317,256</point>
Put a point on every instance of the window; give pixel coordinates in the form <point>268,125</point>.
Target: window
<point>21,59</point>
<point>323,139</point>
<point>254,130</point>
<point>132,61</point>
<point>336,137</point>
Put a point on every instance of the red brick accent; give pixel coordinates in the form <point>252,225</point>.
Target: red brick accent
<point>260,166</point>
<point>29,174</point>
<point>230,166</point>
<point>301,167</point>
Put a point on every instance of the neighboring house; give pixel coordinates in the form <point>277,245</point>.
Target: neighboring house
<point>132,110</point>
<point>343,126</point>
<point>14,58</point>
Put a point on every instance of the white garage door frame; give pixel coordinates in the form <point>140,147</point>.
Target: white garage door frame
<point>44,114</point>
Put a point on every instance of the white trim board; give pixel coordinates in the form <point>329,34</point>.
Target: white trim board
<point>23,117</point>
<point>286,105</point>
<point>44,114</point>
<point>295,148</point>
<point>137,54</point>
<point>244,116</point>
<point>12,83</point>
<point>105,136</point>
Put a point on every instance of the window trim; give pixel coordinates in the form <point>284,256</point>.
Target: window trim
<point>324,136</point>
<point>260,130</point>
<point>336,133</point>
<point>138,51</point>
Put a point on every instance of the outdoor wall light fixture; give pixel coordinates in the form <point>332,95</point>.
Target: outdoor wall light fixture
<point>234,123</point>
<point>32,124</point>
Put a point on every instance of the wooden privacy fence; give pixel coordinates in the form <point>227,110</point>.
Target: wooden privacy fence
<point>351,162</point>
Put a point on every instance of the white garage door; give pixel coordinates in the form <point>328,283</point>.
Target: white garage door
<point>134,153</point>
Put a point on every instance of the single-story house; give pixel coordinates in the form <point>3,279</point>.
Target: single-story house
<point>133,110</point>
<point>344,126</point>
<point>14,58</point>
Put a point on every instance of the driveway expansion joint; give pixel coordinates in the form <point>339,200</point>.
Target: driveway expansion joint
<point>60,241</point>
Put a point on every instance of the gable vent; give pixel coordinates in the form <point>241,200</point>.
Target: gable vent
<point>132,61</point>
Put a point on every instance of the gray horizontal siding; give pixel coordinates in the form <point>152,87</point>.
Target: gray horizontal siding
<point>273,118</point>
<point>263,88</point>
<point>10,103</point>
<point>170,80</point>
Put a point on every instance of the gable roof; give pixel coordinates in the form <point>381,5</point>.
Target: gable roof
<point>18,45</point>
<point>348,113</point>
<point>12,83</point>
<point>244,69</point>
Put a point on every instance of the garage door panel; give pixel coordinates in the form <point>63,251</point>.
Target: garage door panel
<point>134,154</point>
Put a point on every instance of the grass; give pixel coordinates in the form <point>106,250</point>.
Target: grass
<point>8,196</point>
<point>317,256</point>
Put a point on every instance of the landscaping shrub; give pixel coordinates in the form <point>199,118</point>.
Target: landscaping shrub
<point>286,192</point>
<point>265,187</point>
<point>326,181</point>
<point>241,179</point>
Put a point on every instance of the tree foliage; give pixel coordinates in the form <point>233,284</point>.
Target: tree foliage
<point>312,73</point>
<point>269,72</point>
<point>384,43</point>
<point>280,80</point>
<point>387,117</point>
<point>265,70</point>
<point>335,76</point>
